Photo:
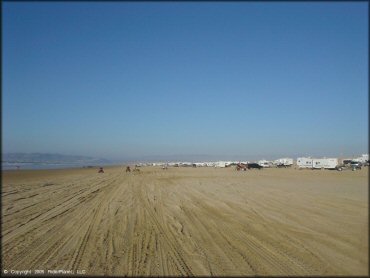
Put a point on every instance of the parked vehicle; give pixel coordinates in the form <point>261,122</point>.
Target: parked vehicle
<point>304,162</point>
<point>325,163</point>
<point>317,163</point>
<point>220,164</point>
<point>254,165</point>
<point>283,162</point>
<point>265,163</point>
<point>363,158</point>
<point>356,165</point>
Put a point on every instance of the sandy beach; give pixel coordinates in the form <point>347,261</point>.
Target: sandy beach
<point>186,221</point>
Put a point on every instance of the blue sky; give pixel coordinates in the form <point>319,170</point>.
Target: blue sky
<point>124,80</point>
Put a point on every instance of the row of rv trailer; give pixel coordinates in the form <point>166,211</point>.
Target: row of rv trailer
<point>302,162</point>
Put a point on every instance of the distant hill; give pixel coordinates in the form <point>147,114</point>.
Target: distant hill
<point>50,158</point>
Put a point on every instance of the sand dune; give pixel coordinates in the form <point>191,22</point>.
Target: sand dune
<point>187,221</point>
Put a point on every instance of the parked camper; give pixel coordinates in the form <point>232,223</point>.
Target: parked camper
<point>325,163</point>
<point>220,164</point>
<point>363,158</point>
<point>265,163</point>
<point>284,162</point>
<point>304,162</point>
<point>317,163</point>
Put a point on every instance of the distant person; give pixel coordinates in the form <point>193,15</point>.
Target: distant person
<point>101,170</point>
<point>128,169</point>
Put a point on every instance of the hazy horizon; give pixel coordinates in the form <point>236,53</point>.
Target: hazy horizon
<point>160,79</point>
<point>197,157</point>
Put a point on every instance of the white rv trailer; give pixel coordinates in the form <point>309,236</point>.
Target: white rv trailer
<point>317,163</point>
<point>324,163</point>
<point>362,159</point>
<point>304,162</point>
<point>365,157</point>
<point>265,163</point>
<point>284,161</point>
<point>185,164</point>
<point>220,164</point>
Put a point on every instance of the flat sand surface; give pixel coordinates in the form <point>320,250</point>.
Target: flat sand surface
<point>186,221</point>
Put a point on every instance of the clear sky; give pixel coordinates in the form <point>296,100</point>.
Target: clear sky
<point>122,80</point>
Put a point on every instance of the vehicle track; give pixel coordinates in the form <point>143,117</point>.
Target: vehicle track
<point>182,222</point>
